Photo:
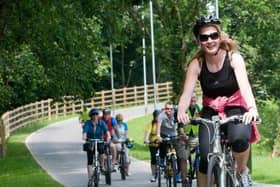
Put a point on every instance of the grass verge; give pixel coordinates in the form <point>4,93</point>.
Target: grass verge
<point>19,168</point>
<point>265,168</point>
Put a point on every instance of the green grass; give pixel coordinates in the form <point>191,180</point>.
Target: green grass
<point>136,131</point>
<point>19,168</point>
<point>265,168</point>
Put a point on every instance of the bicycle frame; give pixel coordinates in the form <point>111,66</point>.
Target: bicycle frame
<point>95,165</point>
<point>171,161</point>
<point>220,156</point>
<point>193,163</point>
<point>122,160</point>
<point>218,150</point>
<point>108,163</point>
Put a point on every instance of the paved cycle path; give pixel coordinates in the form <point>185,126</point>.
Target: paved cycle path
<point>58,149</point>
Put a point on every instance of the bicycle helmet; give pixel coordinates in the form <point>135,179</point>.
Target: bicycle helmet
<point>106,111</point>
<point>205,20</point>
<point>156,113</point>
<point>93,111</point>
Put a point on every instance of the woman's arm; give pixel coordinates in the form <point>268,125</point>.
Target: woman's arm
<point>240,72</point>
<point>189,85</point>
<point>148,133</point>
<point>147,136</point>
<point>125,130</point>
<point>84,137</point>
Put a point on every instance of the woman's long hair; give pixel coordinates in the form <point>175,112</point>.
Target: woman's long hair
<point>154,121</point>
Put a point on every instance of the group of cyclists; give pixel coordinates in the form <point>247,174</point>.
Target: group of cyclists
<point>164,124</point>
<point>113,130</point>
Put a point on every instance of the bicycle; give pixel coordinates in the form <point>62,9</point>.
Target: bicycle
<point>108,164</point>
<point>159,168</point>
<point>125,144</point>
<point>170,169</point>
<point>221,163</point>
<point>93,144</point>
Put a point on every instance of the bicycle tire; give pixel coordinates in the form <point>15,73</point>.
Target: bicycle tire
<point>229,181</point>
<point>190,171</point>
<point>169,181</point>
<point>213,172</point>
<point>167,173</point>
<point>174,170</point>
<point>158,171</point>
<point>96,178</point>
<point>108,177</point>
<point>122,166</point>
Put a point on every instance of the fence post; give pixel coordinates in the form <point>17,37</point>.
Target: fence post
<point>135,95</point>
<point>3,139</point>
<point>36,110</point>
<point>167,90</point>
<point>102,99</point>
<point>124,96</point>
<point>92,103</point>
<point>56,110</point>
<point>64,106</point>
<point>73,106</point>
<point>49,109</point>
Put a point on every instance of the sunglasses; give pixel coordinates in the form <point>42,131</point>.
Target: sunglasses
<point>205,37</point>
<point>168,108</point>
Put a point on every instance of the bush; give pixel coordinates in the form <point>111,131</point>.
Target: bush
<point>269,113</point>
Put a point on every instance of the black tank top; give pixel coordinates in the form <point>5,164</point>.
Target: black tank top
<point>221,83</point>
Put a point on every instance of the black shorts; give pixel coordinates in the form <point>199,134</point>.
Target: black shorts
<point>90,153</point>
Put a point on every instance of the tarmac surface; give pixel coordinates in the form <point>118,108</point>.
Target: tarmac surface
<point>58,149</point>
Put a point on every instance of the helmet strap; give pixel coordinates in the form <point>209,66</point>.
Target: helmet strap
<point>217,52</point>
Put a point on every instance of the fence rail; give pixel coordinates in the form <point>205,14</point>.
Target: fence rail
<point>46,109</point>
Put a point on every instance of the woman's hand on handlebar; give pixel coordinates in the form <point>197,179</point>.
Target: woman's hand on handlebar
<point>251,115</point>
<point>183,137</point>
<point>158,140</point>
<point>146,141</point>
<point>183,117</point>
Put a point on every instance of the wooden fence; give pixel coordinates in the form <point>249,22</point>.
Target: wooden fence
<point>46,109</point>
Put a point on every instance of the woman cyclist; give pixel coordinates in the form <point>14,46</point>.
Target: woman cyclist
<point>122,128</point>
<point>94,129</point>
<point>226,91</point>
<point>150,138</point>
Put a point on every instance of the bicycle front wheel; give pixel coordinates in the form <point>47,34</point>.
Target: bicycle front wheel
<point>96,177</point>
<point>158,172</point>
<point>122,165</point>
<point>230,181</point>
<point>174,169</point>
<point>214,172</point>
<point>108,164</point>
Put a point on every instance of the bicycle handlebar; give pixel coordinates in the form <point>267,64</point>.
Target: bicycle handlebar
<point>234,118</point>
<point>95,140</point>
